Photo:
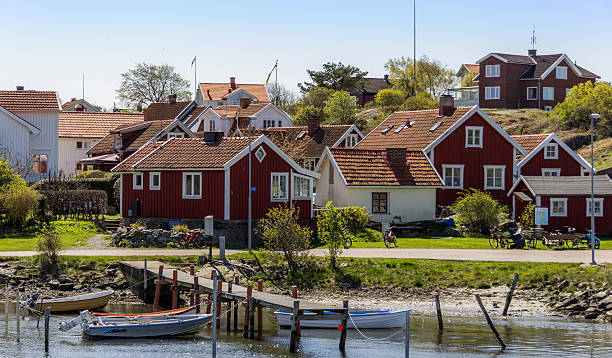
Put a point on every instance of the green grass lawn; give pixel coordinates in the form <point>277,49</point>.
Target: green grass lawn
<point>72,233</point>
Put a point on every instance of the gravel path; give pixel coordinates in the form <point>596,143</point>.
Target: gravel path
<point>576,256</point>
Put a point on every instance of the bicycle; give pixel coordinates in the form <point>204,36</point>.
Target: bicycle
<point>192,240</point>
<point>497,239</point>
<point>389,238</point>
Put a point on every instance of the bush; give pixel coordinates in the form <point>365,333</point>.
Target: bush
<point>91,174</point>
<point>477,211</point>
<point>49,247</point>
<point>280,231</point>
<point>181,228</point>
<point>18,201</point>
<point>105,183</point>
<point>331,225</point>
<point>76,203</point>
<point>389,97</point>
<point>355,218</point>
<point>421,101</point>
<point>527,218</point>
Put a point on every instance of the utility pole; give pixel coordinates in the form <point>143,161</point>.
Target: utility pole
<point>592,236</point>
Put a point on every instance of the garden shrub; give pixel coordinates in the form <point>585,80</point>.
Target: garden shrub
<point>355,218</point>
<point>527,218</point>
<point>18,202</point>
<point>49,246</point>
<point>76,203</point>
<point>477,211</point>
<point>331,225</point>
<point>180,228</point>
<point>90,174</point>
<point>105,183</point>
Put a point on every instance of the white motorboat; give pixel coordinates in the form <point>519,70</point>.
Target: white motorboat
<point>363,319</point>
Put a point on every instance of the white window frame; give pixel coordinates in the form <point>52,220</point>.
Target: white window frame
<point>544,93</point>
<point>536,94</point>
<point>285,197</point>
<point>480,130</point>
<point>564,201</point>
<point>350,141</point>
<point>461,168</point>
<point>176,135</point>
<point>184,191</point>
<point>503,177</point>
<point>563,72</point>
<point>134,185</point>
<point>294,186</point>
<point>557,172</point>
<point>556,156</point>
<point>151,186</point>
<point>492,92</point>
<point>212,125</point>
<point>601,207</point>
<point>260,152</point>
<point>310,164</point>
<point>269,123</point>
<point>492,70</point>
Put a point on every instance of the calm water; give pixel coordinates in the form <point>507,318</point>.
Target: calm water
<point>463,337</point>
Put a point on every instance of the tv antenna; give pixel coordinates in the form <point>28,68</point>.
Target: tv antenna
<point>533,38</point>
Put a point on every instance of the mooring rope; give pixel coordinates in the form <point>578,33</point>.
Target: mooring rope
<point>375,339</point>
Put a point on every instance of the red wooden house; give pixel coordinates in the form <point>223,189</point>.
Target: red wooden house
<point>468,148</point>
<point>191,178</point>
<point>548,155</point>
<point>568,200</point>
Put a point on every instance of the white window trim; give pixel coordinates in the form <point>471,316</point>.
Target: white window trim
<point>550,210</point>
<point>498,93</point>
<point>461,167</point>
<point>293,186</point>
<point>601,205</point>
<point>544,98</point>
<point>480,129</point>
<point>151,186</point>
<point>262,150</point>
<point>352,137</point>
<point>503,177</point>
<point>557,73</point>
<point>536,92</point>
<point>498,72</point>
<point>556,156</point>
<point>185,196</point>
<point>313,161</point>
<point>279,174</point>
<point>552,170</point>
<point>176,135</point>
<point>134,186</point>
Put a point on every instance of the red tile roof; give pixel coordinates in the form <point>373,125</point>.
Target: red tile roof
<point>126,165</point>
<point>194,153</point>
<point>472,68</point>
<point>147,131</point>
<point>530,141</point>
<point>371,168</point>
<point>69,104</point>
<point>218,91</point>
<point>417,136</point>
<point>93,124</point>
<point>160,111</point>
<point>29,100</point>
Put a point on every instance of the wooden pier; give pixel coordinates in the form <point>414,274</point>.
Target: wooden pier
<point>232,294</point>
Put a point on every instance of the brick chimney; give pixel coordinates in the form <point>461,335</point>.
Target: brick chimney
<point>396,156</point>
<point>532,52</point>
<point>233,83</point>
<point>172,98</point>
<point>447,105</point>
<point>245,102</point>
<point>314,123</point>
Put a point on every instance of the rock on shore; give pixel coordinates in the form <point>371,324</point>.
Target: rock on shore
<point>590,302</point>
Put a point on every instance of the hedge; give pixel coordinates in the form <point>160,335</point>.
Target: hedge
<point>61,184</point>
<point>76,203</point>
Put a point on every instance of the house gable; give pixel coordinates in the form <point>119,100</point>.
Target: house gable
<point>30,127</point>
<point>561,144</point>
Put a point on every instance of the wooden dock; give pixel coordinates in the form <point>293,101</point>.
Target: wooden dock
<point>231,293</point>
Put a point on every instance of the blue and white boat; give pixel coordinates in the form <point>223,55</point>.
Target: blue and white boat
<point>363,319</point>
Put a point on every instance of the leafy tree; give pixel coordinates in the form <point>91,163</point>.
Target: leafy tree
<point>527,218</point>
<point>431,76</point>
<point>468,80</point>
<point>18,200</point>
<point>304,112</point>
<point>401,74</point>
<point>147,83</point>
<point>281,231</point>
<point>341,108</point>
<point>421,101</point>
<point>477,211</point>
<point>331,225</point>
<point>317,97</point>
<point>582,100</point>
<point>280,95</point>
<point>7,173</point>
<point>389,97</point>
<point>336,76</point>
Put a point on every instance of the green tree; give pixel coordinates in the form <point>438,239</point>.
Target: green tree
<point>147,83</point>
<point>421,101</point>
<point>401,74</point>
<point>300,117</point>
<point>330,224</point>
<point>7,173</point>
<point>389,97</point>
<point>527,218</point>
<point>468,80</point>
<point>335,76</point>
<point>477,211</point>
<point>431,76</point>
<point>341,108</point>
<point>18,200</point>
<point>582,100</point>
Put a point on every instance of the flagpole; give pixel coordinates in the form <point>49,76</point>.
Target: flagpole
<point>195,75</point>
<point>276,80</point>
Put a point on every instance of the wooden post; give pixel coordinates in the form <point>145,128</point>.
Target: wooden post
<point>174,289</point>
<point>209,302</point>
<point>251,317</point>
<point>342,344</point>
<point>294,320</point>
<point>245,329</point>
<point>17,298</point>
<point>259,310</point>
<point>47,315</point>
<point>196,286</point>
<point>294,294</point>
<point>158,282</point>
<point>215,313</point>
<point>191,270</point>
<point>407,335</point>
<point>219,289</point>
<point>235,309</point>
<point>210,257</point>
<point>6,310</point>
<point>510,294</point>
<point>439,311</point>
<point>144,273</point>
<point>489,322</point>
<point>228,320</point>
<point>192,291</point>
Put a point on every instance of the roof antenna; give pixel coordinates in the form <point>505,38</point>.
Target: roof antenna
<point>533,38</point>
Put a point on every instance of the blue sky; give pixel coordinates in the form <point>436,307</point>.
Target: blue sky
<point>50,44</point>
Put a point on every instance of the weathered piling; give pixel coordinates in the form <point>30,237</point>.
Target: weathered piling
<point>145,271</point>
<point>489,322</point>
<point>235,308</point>
<point>17,298</point>
<point>251,318</point>
<point>439,311</point>
<point>294,320</point>
<point>174,289</point>
<point>510,294</point>
<point>215,313</point>
<point>407,336</point>
<point>192,291</point>
<point>219,289</point>
<point>196,286</point>
<point>294,294</point>
<point>228,320</point>
<point>6,309</point>
<point>47,316</point>
<point>342,344</point>
<point>209,301</point>
<point>259,310</point>
<point>158,283</point>
<point>245,328</point>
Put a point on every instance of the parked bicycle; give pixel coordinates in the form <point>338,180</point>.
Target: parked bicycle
<point>497,239</point>
<point>389,238</point>
<point>193,240</point>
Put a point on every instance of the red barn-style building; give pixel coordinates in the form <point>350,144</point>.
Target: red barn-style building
<point>567,199</point>
<point>190,178</point>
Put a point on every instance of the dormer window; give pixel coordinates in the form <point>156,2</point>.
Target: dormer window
<point>176,135</point>
<point>492,71</point>
<point>473,137</point>
<point>561,72</point>
<point>212,126</point>
<point>551,151</point>
<point>351,140</point>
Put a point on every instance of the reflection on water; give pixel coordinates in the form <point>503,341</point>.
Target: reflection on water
<point>463,337</point>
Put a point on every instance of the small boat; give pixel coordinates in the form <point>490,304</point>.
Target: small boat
<point>363,319</point>
<point>138,326</point>
<point>87,301</point>
<point>175,312</point>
